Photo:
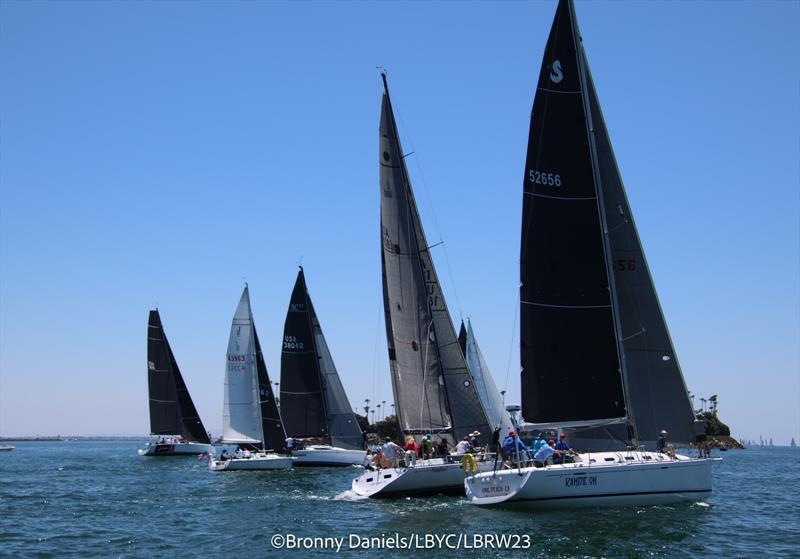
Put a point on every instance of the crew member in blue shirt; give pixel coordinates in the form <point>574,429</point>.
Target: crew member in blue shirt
<point>539,443</point>
<point>511,444</point>
<point>562,447</point>
<point>546,454</point>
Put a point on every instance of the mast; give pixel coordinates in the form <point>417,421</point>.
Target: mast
<point>433,388</point>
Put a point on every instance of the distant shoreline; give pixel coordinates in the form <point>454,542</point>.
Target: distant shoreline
<point>60,438</point>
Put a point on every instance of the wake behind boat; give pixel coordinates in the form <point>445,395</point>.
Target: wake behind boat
<point>591,326</point>
<point>251,419</point>
<point>172,412</point>
<point>313,401</point>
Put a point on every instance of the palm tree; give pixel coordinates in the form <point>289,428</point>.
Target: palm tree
<point>366,407</point>
<point>713,400</point>
<point>703,404</point>
<point>379,411</point>
<point>384,408</point>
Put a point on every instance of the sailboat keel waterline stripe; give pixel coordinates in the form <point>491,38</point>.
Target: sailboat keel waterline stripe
<point>565,306</point>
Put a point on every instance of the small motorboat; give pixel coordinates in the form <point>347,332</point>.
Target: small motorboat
<point>6,447</point>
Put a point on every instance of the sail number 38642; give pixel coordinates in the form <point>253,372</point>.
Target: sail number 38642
<point>540,177</point>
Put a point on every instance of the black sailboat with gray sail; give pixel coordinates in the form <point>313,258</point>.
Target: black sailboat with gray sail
<point>314,405</point>
<point>433,389</point>
<point>594,346</point>
<point>173,416</point>
<point>250,416</point>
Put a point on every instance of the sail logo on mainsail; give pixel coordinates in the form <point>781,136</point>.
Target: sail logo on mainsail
<point>555,72</point>
<point>151,365</point>
<point>297,307</point>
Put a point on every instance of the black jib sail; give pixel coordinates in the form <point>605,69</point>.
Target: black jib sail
<point>313,400</point>
<point>570,361</point>
<point>271,424</point>
<point>172,411</point>
<point>433,389</point>
<point>655,386</point>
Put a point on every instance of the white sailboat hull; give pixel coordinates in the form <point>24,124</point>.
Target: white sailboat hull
<point>324,455</point>
<point>268,461</point>
<point>176,449</point>
<point>426,478</point>
<point>610,479</point>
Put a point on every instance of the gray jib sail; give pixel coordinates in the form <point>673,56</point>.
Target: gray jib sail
<point>484,383</point>
<point>655,385</point>
<point>342,423</point>
<point>433,389</point>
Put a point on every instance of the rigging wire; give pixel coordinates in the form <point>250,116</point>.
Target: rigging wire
<point>513,336</point>
<point>433,215</point>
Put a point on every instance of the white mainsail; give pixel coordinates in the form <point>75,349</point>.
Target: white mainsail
<point>241,413</point>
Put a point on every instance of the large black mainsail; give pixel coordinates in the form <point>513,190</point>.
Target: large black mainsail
<point>172,411</point>
<point>313,400</point>
<point>593,334</point>
<point>570,361</point>
<point>433,389</point>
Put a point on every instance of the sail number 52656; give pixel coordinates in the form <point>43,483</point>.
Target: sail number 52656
<point>539,177</point>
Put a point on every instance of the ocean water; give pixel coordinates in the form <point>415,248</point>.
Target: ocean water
<point>86,499</point>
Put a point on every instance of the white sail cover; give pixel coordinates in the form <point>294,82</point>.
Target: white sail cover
<point>485,386</point>
<point>241,412</point>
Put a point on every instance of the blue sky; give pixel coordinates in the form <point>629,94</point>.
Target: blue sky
<point>163,153</point>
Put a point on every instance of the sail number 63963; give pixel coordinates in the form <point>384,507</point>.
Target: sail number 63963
<point>540,177</point>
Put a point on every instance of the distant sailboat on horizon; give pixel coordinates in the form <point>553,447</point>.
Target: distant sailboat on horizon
<point>173,416</point>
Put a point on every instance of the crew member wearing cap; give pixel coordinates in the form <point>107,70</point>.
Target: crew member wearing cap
<point>662,446</point>
<point>562,447</point>
<point>473,439</point>
<point>512,445</point>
